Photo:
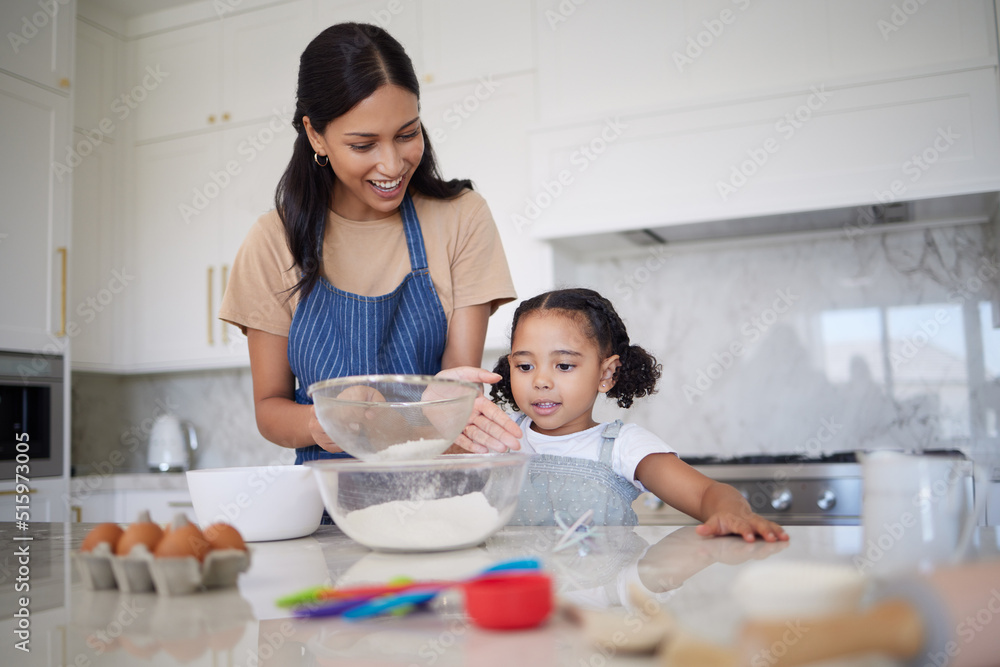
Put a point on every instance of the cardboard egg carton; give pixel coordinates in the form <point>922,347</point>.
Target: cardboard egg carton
<point>141,572</point>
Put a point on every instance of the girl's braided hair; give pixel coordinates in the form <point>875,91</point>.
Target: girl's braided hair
<point>638,373</point>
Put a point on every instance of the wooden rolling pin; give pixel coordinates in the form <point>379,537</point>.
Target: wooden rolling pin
<point>949,617</point>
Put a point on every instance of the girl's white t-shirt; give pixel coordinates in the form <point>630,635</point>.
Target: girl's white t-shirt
<point>633,444</point>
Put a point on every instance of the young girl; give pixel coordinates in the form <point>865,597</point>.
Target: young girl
<point>568,347</point>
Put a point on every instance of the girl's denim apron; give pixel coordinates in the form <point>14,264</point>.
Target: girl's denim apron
<point>336,334</point>
<point>573,485</point>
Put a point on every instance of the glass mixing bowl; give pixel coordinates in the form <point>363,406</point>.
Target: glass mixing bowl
<point>393,417</point>
<point>448,502</point>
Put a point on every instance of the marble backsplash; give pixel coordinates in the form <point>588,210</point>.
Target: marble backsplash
<point>816,343</point>
<point>113,415</point>
<point>809,344</point>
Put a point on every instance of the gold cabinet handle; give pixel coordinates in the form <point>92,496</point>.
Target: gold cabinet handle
<point>77,515</point>
<point>211,339</point>
<point>211,119</point>
<point>225,116</point>
<point>63,253</point>
<point>180,503</point>
<point>15,493</point>
<point>225,280</point>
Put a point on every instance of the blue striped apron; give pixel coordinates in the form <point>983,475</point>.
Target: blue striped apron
<point>337,334</point>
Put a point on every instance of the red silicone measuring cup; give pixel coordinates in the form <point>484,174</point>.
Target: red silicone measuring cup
<point>509,602</point>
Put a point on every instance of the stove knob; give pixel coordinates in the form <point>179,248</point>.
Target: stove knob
<point>828,500</point>
<point>781,500</point>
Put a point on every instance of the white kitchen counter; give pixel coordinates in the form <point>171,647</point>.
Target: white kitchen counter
<point>692,577</point>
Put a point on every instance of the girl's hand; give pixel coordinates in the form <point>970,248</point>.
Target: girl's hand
<point>489,427</point>
<point>748,525</point>
<point>320,436</point>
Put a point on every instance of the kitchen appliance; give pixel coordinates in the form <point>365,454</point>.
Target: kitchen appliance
<point>791,489</point>
<point>31,402</point>
<point>171,444</point>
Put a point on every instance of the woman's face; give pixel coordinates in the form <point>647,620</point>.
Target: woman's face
<point>373,149</point>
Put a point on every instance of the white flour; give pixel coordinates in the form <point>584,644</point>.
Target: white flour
<point>421,525</point>
<point>412,449</point>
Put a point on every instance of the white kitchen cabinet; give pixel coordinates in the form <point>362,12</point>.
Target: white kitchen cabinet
<point>463,40</point>
<point>195,199</point>
<point>162,505</point>
<point>96,507</point>
<point>48,500</point>
<point>34,189</point>
<point>235,70</point>
<point>38,40</point>
<point>449,41</point>
<point>654,54</point>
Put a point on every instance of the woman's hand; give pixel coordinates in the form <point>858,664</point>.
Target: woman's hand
<point>744,523</point>
<point>320,436</point>
<point>489,428</point>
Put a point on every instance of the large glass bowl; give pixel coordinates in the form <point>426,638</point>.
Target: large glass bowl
<point>393,417</point>
<point>449,502</point>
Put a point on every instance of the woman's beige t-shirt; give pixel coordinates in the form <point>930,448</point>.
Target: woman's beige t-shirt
<point>464,254</point>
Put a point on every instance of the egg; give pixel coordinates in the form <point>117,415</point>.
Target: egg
<point>184,539</point>
<point>103,532</point>
<point>224,536</point>
<point>143,531</point>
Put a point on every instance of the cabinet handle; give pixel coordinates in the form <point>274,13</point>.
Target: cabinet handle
<point>62,293</point>
<point>12,492</point>
<point>211,339</point>
<point>77,513</point>
<point>225,280</point>
<point>180,503</point>
<point>225,116</point>
<point>211,119</point>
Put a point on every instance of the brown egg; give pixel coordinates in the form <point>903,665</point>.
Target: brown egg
<point>184,539</point>
<point>104,532</point>
<point>143,531</point>
<point>224,536</point>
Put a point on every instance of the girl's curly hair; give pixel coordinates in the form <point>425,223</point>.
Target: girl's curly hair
<point>639,371</point>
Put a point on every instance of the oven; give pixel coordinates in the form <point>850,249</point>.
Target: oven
<point>790,489</point>
<point>31,401</point>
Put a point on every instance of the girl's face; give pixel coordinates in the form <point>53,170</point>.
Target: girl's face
<point>557,371</point>
<point>373,149</point>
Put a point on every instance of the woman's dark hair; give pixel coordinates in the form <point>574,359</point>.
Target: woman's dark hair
<point>638,373</point>
<point>342,66</point>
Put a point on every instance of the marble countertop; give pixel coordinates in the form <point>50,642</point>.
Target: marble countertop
<point>690,576</point>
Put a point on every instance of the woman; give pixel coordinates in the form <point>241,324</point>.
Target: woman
<point>371,263</point>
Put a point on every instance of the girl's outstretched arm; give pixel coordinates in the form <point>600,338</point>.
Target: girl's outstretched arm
<point>720,507</point>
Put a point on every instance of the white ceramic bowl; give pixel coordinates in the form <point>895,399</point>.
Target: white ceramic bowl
<point>448,502</point>
<point>264,503</point>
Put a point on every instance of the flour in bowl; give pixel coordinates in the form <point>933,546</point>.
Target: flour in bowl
<point>422,525</point>
<point>411,449</point>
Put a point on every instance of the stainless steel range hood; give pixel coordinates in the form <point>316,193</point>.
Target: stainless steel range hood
<point>978,208</point>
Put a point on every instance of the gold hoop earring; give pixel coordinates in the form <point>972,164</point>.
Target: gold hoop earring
<point>316,160</point>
